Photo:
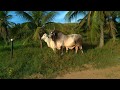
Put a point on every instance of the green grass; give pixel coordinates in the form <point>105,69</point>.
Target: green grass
<point>29,60</point>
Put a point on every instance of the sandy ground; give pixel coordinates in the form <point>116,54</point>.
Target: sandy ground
<point>107,73</point>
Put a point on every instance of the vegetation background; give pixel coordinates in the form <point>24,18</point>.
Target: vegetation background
<point>33,59</point>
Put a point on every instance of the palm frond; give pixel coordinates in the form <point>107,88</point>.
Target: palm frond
<point>36,33</point>
<point>27,39</point>
<point>9,17</point>
<point>68,16</point>
<point>82,21</point>
<point>24,15</point>
<point>94,26</point>
<point>72,14</point>
<point>2,14</point>
<point>37,17</point>
<point>49,17</point>
<point>89,19</point>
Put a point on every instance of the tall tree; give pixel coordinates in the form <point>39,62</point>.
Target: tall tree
<point>96,22</point>
<point>4,25</point>
<point>39,20</point>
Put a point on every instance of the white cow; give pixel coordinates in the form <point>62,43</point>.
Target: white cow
<point>68,41</point>
<point>49,41</point>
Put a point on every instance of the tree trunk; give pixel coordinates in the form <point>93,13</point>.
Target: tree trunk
<point>89,19</point>
<point>113,35</point>
<point>113,30</point>
<point>101,37</point>
<point>40,43</point>
<point>83,21</point>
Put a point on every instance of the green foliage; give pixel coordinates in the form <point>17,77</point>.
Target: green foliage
<point>4,25</point>
<point>66,28</point>
<point>73,14</point>
<point>29,60</point>
<point>94,33</point>
<point>36,34</point>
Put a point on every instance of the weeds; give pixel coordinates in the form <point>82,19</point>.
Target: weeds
<point>30,60</point>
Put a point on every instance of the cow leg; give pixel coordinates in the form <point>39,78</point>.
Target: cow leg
<point>81,49</point>
<point>66,49</point>
<point>54,50</point>
<point>61,50</point>
<point>76,49</point>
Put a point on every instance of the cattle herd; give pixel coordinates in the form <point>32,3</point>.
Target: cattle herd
<point>57,40</point>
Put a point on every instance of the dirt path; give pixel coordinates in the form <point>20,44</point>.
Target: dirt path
<point>107,73</point>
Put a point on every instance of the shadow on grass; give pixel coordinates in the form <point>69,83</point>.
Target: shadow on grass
<point>87,46</point>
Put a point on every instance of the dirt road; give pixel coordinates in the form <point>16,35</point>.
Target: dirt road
<point>107,73</point>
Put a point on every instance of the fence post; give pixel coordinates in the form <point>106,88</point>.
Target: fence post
<point>11,48</point>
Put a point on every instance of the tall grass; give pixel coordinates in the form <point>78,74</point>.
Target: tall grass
<point>30,61</point>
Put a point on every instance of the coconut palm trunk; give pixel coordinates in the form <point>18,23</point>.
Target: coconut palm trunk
<point>101,44</point>
<point>113,30</point>
<point>113,35</point>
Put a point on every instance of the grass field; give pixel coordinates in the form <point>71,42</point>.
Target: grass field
<point>31,62</point>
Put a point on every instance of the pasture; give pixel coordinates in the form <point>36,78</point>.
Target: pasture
<point>31,62</point>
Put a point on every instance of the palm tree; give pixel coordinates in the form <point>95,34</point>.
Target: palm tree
<point>84,22</point>
<point>39,20</point>
<point>111,23</point>
<point>99,18</point>
<point>4,25</point>
<point>96,22</point>
<point>73,14</point>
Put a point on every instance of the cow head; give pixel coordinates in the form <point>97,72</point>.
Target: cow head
<point>54,35</point>
<point>44,36</point>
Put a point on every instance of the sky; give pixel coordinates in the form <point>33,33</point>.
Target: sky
<point>59,18</point>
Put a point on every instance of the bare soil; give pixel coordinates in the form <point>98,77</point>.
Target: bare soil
<point>107,73</point>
